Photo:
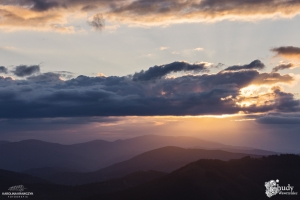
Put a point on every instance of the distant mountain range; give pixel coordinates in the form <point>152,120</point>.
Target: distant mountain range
<point>94,155</point>
<point>165,159</point>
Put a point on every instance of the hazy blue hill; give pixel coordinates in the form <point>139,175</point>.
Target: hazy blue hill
<point>166,159</point>
<point>27,154</point>
<point>90,156</point>
<point>215,179</point>
<point>4,142</point>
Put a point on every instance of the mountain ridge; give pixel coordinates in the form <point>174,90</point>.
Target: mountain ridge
<point>209,179</point>
<point>93,155</point>
<point>165,159</point>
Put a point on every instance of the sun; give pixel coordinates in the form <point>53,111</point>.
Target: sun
<point>250,90</point>
<point>254,95</point>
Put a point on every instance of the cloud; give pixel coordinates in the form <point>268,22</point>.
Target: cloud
<point>89,7</point>
<point>199,49</point>
<point>256,64</point>
<point>101,74</point>
<point>41,14</point>
<point>163,48</point>
<point>3,70</point>
<point>24,70</point>
<point>43,5</point>
<point>272,78</point>
<point>279,118</point>
<point>162,70</point>
<point>98,22</point>
<point>18,18</point>
<point>147,93</point>
<point>287,51</point>
<point>46,77</point>
<point>285,101</point>
<point>283,66</point>
<point>177,11</point>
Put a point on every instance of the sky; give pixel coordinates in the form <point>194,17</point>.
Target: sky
<point>225,71</point>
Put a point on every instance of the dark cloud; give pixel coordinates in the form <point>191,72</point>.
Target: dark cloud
<point>219,65</point>
<point>272,78</point>
<point>36,5</point>
<point>148,12</point>
<point>64,74</point>
<point>211,7</point>
<point>46,77</point>
<point>156,11</point>
<point>279,118</point>
<point>47,95</point>
<point>89,7</point>
<point>24,70</point>
<point>256,64</point>
<point>285,101</point>
<point>162,70</point>
<point>288,51</point>
<point>283,66</point>
<point>3,70</point>
<point>163,6</point>
<point>98,22</point>
<point>43,5</point>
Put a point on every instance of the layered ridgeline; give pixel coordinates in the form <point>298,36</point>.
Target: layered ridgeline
<point>94,155</point>
<point>214,179</point>
<point>205,179</point>
<point>165,159</point>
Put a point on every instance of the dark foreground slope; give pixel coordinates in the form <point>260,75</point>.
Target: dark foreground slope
<point>8,178</point>
<point>215,179</point>
<point>166,159</point>
<point>43,190</point>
